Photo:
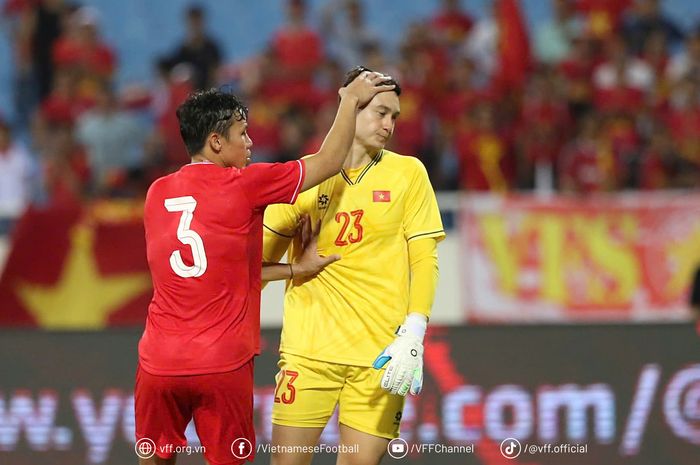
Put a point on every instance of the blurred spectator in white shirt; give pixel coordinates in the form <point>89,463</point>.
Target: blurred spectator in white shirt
<point>113,138</point>
<point>637,74</point>
<point>553,38</point>
<point>17,171</point>
<point>345,32</point>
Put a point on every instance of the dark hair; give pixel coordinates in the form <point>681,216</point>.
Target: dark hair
<point>195,11</point>
<point>208,111</point>
<point>357,70</point>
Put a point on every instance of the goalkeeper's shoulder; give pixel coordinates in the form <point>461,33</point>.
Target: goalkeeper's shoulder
<point>410,167</point>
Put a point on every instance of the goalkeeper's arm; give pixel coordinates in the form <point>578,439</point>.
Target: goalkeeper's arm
<point>404,356</point>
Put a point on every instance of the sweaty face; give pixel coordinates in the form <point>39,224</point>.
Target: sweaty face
<point>376,122</point>
<point>235,145</point>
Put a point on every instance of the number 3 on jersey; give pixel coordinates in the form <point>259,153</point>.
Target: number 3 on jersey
<point>186,205</point>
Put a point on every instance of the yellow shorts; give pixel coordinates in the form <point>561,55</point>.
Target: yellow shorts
<point>308,390</point>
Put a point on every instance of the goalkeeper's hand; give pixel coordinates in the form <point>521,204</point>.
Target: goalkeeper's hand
<point>404,356</point>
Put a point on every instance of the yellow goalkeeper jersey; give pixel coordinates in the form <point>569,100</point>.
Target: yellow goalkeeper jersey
<point>349,312</point>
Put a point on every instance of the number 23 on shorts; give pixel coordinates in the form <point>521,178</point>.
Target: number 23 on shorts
<point>284,391</point>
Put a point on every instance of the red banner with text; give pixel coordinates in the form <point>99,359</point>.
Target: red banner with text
<point>622,258</point>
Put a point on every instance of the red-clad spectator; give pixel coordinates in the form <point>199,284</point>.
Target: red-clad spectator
<point>657,163</point>
<point>411,135</point>
<point>63,104</point>
<point>620,97</point>
<point>82,48</point>
<point>620,130</point>
<point>460,94</point>
<point>485,152</point>
<point>426,59</point>
<point>544,125</point>
<point>264,127</point>
<point>297,46</point>
<point>621,68</point>
<point>587,163</point>
<point>684,120</point>
<point>65,172</point>
<point>655,54</point>
<point>297,51</point>
<point>451,23</point>
<point>17,7</point>
<point>576,71</point>
<point>603,17</point>
<point>177,84</point>
<point>266,101</point>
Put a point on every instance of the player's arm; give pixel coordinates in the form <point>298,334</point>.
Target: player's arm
<point>329,159</point>
<point>276,271</point>
<point>308,264</point>
<point>271,183</point>
<point>280,225</point>
<point>274,247</point>
<point>404,356</point>
<point>423,230</point>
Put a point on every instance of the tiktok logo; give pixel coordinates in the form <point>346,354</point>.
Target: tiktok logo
<point>510,448</point>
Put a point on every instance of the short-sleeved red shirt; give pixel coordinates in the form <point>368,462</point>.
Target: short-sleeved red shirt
<point>204,246</point>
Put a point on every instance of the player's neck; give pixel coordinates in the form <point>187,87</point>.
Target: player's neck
<point>357,158</point>
<point>200,158</point>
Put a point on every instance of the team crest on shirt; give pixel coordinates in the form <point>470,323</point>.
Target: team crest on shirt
<point>323,200</point>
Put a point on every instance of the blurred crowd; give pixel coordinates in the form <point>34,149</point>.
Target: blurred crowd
<point>602,96</point>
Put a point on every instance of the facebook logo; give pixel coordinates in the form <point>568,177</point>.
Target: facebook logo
<point>241,448</point>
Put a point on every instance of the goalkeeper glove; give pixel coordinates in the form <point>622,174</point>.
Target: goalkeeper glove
<point>404,356</point>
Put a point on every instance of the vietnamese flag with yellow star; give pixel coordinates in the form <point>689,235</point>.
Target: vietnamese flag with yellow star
<point>77,267</point>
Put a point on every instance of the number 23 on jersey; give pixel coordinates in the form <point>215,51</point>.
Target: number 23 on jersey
<point>349,233</point>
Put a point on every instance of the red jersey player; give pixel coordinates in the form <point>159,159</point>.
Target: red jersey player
<point>204,246</point>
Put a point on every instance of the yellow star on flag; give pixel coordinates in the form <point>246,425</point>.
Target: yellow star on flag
<point>81,298</point>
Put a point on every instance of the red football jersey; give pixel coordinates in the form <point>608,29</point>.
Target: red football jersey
<point>204,246</point>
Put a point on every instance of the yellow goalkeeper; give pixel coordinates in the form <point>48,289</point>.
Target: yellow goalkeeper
<point>353,333</point>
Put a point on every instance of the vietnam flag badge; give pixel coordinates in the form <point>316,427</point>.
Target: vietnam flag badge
<point>381,196</point>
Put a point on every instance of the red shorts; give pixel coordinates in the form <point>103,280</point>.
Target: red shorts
<point>220,403</point>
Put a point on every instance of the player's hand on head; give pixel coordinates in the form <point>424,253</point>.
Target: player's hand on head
<point>366,86</point>
<point>311,263</point>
